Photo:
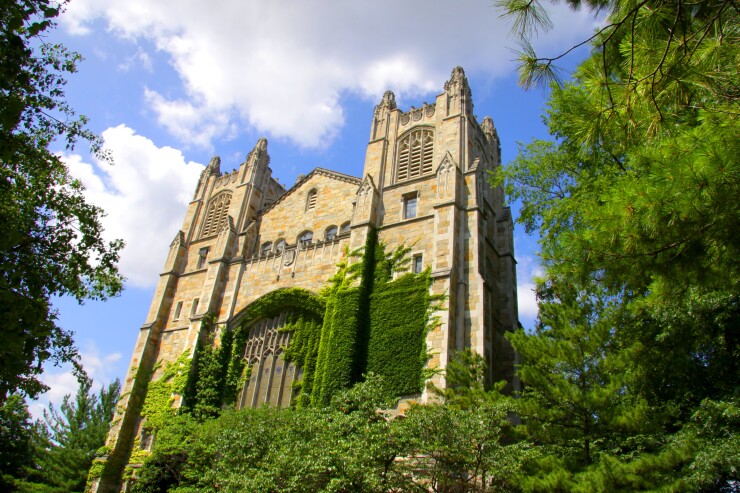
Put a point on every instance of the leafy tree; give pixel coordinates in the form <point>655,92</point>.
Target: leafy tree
<point>50,237</point>
<point>15,441</point>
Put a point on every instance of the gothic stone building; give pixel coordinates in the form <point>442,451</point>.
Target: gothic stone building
<point>425,183</point>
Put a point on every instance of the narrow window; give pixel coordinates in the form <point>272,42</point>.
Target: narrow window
<point>305,239</point>
<point>202,257</point>
<point>409,206</point>
<point>416,264</point>
<point>194,308</point>
<point>178,310</point>
<point>331,233</point>
<point>311,200</point>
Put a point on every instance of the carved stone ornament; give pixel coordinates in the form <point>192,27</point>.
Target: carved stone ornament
<point>388,101</point>
<point>289,257</point>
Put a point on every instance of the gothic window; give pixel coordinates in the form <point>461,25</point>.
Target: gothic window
<point>311,200</point>
<point>202,257</point>
<point>271,377</point>
<point>331,233</point>
<point>280,246</point>
<point>216,213</point>
<point>409,205</point>
<point>344,228</point>
<point>415,154</point>
<point>305,239</point>
<point>266,248</point>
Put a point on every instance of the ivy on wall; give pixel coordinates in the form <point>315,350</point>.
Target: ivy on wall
<point>363,321</point>
<point>399,314</point>
<point>157,407</point>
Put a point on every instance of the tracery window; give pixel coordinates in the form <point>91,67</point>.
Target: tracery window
<point>216,213</point>
<point>271,377</point>
<point>415,154</point>
<point>311,200</point>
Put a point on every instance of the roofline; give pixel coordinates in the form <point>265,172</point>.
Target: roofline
<point>316,171</point>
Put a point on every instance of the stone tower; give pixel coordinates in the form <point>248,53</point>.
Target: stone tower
<point>424,184</point>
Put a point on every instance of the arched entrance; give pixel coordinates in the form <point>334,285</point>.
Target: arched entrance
<point>271,377</point>
<point>269,324</point>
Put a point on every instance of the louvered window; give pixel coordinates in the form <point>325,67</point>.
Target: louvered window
<point>311,200</point>
<point>415,154</point>
<point>216,213</point>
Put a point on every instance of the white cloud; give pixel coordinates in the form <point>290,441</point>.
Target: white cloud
<point>143,194</point>
<point>282,66</point>
<point>62,382</point>
<point>527,268</point>
<point>139,59</point>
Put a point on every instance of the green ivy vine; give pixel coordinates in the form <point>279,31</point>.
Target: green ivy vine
<point>364,320</point>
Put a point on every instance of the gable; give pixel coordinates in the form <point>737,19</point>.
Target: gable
<point>316,203</point>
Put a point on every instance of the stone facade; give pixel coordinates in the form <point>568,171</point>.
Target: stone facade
<point>425,184</point>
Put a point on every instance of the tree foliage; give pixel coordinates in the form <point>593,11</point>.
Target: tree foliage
<point>50,237</point>
<point>354,444</point>
<point>75,432</point>
<point>635,204</point>
<point>54,455</point>
<point>16,440</point>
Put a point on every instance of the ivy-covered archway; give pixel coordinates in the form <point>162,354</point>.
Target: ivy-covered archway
<point>261,335</point>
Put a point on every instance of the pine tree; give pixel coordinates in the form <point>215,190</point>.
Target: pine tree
<point>67,445</point>
<point>636,199</point>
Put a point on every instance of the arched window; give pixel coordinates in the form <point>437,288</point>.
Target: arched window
<point>331,233</point>
<point>280,246</point>
<point>216,213</point>
<point>344,228</point>
<point>266,248</point>
<point>271,377</point>
<point>415,154</point>
<point>311,200</point>
<point>305,239</point>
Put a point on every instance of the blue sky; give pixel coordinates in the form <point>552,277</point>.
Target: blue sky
<point>169,84</point>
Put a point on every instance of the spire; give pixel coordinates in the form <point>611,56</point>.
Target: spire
<point>259,151</point>
<point>459,96</point>
<point>457,77</point>
<point>489,129</point>
<point>380,115</point>
<point>214,166</point>
<point>388,101</point>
